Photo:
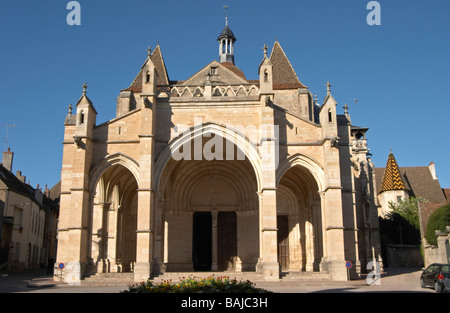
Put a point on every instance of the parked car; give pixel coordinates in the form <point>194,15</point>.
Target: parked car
<point>437,275</point>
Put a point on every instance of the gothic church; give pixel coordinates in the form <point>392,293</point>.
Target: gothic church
<point>216,173</point>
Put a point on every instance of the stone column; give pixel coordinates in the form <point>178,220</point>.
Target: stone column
<point>334,253</point>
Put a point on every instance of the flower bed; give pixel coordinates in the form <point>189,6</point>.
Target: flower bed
<point>211,284</point>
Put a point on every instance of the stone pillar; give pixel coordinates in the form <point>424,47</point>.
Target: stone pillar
<point>334,252</point>
<point>309,240</point>
<point>443,242</point>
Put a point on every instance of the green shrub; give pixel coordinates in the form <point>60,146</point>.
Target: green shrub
<point>221,284</point>
<point>438,221</point>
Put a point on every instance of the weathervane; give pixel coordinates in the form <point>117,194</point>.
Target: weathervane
<point>226,14</point>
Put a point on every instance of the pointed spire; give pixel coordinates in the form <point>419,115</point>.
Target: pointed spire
<point>284,76</point>
<point>392,179</point>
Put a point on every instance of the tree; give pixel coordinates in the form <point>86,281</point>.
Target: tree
<point>437,221</point>
<point>408,209</point>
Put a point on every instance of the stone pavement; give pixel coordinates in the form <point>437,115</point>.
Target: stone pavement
<point>393,281</point>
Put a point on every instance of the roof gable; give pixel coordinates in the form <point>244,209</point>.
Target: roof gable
<point>226,74</point>
<point>163,77</point>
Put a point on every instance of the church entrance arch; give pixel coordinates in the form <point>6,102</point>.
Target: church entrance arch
<point>299,215</point>
<point>216,199</point>
<point>113,219</point>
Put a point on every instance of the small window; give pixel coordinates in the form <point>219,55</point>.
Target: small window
<point>81,117</point>
<point>214,71</point>
<point>266,76</point>
<point>330,117</point>
<point>147,77</point>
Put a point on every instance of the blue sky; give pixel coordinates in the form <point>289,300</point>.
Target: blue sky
<point>398,71</point>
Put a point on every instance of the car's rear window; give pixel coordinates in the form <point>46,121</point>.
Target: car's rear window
<point>445,269</point>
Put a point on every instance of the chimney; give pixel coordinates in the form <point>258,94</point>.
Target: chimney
<point>20,177</point>
<point>8,159</point>
<point>432,169</point>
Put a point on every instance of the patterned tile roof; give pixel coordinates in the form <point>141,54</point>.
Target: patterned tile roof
<point>392,179</point>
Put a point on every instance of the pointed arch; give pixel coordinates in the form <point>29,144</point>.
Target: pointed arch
<point>313,166</point>
<point>237,138</point>
<point>110,160</point>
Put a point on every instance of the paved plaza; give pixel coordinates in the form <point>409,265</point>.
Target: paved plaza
<point>392,281</point>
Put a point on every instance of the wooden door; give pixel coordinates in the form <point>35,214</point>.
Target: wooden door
<point>283,241</point>
<point>226,241</point>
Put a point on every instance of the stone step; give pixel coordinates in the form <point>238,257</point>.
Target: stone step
<point>297,275</point>
<point>108,280</point>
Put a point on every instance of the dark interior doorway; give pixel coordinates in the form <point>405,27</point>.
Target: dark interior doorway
<point>283,241</point>
<point>201,241</point>
<point>226,241</point>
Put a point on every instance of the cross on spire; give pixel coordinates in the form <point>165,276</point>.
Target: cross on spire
<point>149,51</point>
<point>328,87</point>
<point>265,50</point>
<point>346,109</point>
<point>84,88</point>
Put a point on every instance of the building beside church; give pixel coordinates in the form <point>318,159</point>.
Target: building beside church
<point>216,172</point>
<point>28,221</point>
<point>395,182</point>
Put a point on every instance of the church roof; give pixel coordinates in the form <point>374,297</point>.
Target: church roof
<point>284,76</point>
<point>391,178</point>
<point>163,78</point>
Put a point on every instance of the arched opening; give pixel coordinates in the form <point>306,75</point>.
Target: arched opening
<point>216,198</point>
<point>299,220</point>
<point>114,221</point>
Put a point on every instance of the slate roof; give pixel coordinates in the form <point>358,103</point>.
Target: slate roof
<point>284,76</point>
<point>226,33</point>
<point>16,185</point>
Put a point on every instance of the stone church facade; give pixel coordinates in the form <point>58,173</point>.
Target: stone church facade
<point>216,173</point>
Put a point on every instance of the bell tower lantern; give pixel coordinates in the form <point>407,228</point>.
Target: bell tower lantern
<point>226,44</point>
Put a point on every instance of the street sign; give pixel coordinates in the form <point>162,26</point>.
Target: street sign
<point>61,266</point>
<point>348,264</point>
